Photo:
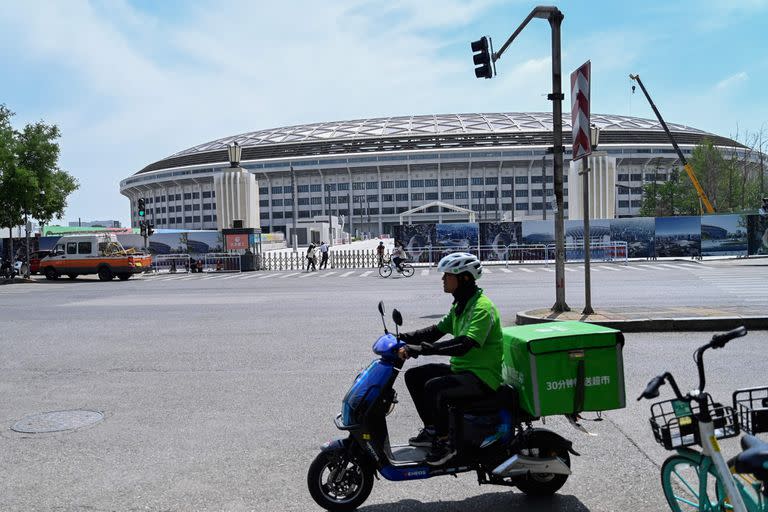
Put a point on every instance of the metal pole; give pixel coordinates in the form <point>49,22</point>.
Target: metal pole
<point>555,19</point>
<point>330,225</point>
<point>587,257</point>
<point>294,235</point>
<point>26,228</point>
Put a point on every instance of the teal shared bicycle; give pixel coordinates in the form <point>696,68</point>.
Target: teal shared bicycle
<point>703,480</point>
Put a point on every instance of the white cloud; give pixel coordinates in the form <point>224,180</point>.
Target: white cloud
<point>732,81</point>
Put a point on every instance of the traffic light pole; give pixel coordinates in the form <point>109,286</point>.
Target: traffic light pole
<point>555,18</point>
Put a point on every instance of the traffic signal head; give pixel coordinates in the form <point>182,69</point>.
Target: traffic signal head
<point>482,58</point>
<point>150,229</point>
<point>142,208</point>
<point>142,228</point>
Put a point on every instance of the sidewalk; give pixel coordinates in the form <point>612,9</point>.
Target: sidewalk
<point>659,319</point>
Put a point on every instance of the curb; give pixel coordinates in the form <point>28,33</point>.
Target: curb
<point>664,324</point>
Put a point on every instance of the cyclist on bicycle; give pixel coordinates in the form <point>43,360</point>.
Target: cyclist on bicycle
<point>398,255</point>
<point>475,366</point>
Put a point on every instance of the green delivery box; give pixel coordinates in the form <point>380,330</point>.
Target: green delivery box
<point>564,367</point>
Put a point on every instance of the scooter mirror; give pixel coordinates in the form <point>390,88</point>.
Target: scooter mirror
<point>381,307</point>
<point>397,317</point>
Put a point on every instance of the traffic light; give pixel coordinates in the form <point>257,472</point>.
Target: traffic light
<point>142,208</point>
<point>150,229</point>
<point>142,228</point>
<point>482,58</point>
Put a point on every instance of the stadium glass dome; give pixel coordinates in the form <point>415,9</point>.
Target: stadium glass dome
<point>371,170</point>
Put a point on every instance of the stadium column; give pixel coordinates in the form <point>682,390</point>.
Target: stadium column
<point>350,205</point>
<point>381,203</point>
<point>439,192</point>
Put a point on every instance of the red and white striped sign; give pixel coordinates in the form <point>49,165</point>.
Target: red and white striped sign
<point>580,111</point>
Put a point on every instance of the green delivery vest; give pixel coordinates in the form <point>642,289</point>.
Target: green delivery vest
<point>480,321</point>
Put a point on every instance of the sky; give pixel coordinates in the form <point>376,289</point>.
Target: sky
<point>130,82</point>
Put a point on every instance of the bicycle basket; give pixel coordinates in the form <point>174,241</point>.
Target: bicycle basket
<point>674,422</point>
<point>751,405</point>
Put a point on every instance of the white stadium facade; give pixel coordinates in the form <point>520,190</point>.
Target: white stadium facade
<point>371,170</point>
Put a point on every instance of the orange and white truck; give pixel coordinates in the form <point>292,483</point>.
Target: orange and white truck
<point>100,254</point>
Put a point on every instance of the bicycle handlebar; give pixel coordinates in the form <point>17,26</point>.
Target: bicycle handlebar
<point>719,340</point>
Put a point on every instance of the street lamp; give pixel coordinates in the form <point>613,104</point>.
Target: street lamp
<point>235,152</point>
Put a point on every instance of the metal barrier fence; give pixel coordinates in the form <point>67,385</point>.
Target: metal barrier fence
<point>170,263</point>
<point>603,251</point>
<point>430,255</point>
<point>221,262</point>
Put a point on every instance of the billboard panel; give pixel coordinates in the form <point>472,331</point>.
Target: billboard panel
<point>757,230</point>
<point>724,235</point>
<point>639,234</point>
<point>678,236</point>
<point>496,236</point>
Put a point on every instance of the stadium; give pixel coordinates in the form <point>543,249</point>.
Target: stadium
<point>371,170</point>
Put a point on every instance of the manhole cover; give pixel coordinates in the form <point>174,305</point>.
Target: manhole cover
<point>56,421</point>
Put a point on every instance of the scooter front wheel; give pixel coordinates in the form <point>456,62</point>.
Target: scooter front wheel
<point>338,483</point>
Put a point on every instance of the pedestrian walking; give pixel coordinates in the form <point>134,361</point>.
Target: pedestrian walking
<point>311,257</point>
<point>323,255</point>
<point>380,253</point>
<point>199,266</point>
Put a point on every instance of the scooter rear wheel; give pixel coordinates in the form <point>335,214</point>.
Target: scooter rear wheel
<point>543,484</point>
<point>337,485</point>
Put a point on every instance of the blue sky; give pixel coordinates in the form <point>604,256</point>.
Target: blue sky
<point>131,82</point>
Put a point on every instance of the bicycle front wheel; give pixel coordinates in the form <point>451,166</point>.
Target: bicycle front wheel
<point>385,271</point>
<point>688,488</point>
<point>407,270</point>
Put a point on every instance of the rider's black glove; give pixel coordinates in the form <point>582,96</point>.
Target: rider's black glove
<point>413,351</point>
<point>428,334</point>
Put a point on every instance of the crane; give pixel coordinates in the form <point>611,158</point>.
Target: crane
<point>688,169</point>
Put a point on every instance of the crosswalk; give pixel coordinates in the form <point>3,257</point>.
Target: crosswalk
<point>748,284</point>
<point>598,267</point>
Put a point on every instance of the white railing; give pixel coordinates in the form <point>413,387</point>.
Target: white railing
<point>170,263</point>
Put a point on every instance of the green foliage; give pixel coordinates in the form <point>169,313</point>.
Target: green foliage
<point>731,183</point>
<point>30,179</point>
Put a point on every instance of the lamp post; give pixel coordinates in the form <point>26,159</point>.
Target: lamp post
<point>235,152</point>
<point>330,219</point>
<point>594,135</point>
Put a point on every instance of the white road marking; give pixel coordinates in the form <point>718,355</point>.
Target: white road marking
<point>366,274</point>
<point>610,268</point>
<point>327,274</point>
<point>506,270</point>
<point>425,272</point>
<point>527,270</point>
<point>266,276</point>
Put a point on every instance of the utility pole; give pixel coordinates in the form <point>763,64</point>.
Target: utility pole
<point>555,18</point>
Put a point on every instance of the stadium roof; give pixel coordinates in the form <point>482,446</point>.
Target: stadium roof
<point>425,132</point>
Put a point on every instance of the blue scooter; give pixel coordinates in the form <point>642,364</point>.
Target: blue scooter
<point>494,437</point>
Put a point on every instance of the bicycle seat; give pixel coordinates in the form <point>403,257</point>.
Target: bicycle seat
<point>754,458</point>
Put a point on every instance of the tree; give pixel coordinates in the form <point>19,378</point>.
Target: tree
<point>31,182</point>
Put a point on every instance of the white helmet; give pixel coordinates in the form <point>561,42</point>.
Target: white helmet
<point>458,262</point>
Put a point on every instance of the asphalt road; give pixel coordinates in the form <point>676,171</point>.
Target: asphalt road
<point>218,390</point>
